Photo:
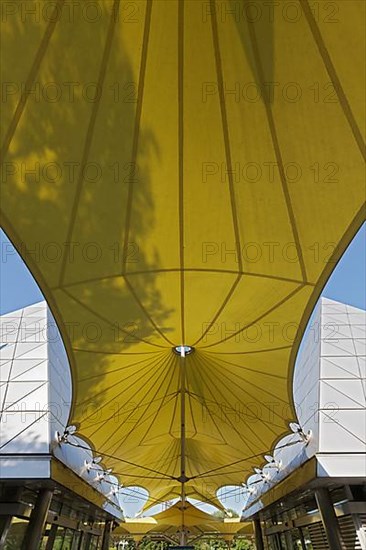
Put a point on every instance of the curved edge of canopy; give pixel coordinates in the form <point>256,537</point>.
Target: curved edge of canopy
<point>330,266</point>
<point>12,235</point>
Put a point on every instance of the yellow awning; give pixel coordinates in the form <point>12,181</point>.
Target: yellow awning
<point>230,527</point>
<point>184,514</point>
<point>187,516</point>
<point>182,173</point>
<point>137,526</point>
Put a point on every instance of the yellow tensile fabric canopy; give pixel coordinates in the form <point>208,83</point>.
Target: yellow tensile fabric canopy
<point>186,516</point>
<point>137,527</point>
<point>182,173</point>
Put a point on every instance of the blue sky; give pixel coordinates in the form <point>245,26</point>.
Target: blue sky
<point>347,284</point>
<point>17,286</point>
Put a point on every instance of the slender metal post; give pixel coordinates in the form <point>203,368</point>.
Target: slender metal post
<point>86,540</point>
<point>258,534</point>
<point>37,520</point>
<point>106,534</point>
<point>81,540</point>
<point>183,440</point>
<point>329,519</point>
<point>51,537</point>
<point>182,540</point>
<point>302,540</point>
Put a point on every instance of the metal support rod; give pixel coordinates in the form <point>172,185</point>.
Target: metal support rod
<point>81,540</point>
<point>182,416</point>
<point>51,537</point>
<point>183,439</point>
<point>302,540</point>
<point>37,520</point>
<point>86,540</point>
<point>329,519</point>
<point>258,534</point>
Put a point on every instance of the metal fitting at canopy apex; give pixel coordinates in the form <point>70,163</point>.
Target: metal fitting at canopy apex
<point>182,351</point>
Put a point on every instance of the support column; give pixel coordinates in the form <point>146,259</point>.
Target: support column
<point>52,537</point>
<point>11,495</point>
<point>81,540</point>
<point>106,534</point>
<point>303,543</point>
<point>329,519</point>
<point>37,520</point>
<point>5,523</point>
<point>258,534</point>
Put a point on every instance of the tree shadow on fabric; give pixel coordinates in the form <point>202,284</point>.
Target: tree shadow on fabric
<point>72,181</point>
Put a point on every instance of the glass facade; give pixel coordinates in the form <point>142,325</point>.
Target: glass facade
<point>16,534</point>
<point>72,523</point>
<point>55,537</point>
<point>296,524</point>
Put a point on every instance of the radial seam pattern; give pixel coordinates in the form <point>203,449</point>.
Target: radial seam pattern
<point>225,131</point>
<point>280,303</point>
<point>89,136</point>
<point>278,154</point>
<point>228,420</point>
<point>144,310</point>
<point>163,367</point>
<point>140,94</point>
<point>208,379</point>
<point>112,399</point>
<point>114,385</point>
<point>30,80</point>
<point>107,321</point>
<point>323,51</point>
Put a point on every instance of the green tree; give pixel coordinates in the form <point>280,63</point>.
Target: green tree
<point>229,512</point>
<point>243,544</point>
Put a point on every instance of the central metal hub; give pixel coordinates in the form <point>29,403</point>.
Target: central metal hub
<point>182,351</point>
<point>183,478</point>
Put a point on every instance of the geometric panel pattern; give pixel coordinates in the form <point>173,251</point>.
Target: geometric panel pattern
<point>35,382</point>
<point>329,394</point>
<point>342,406</point>
<point>330,378</point>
